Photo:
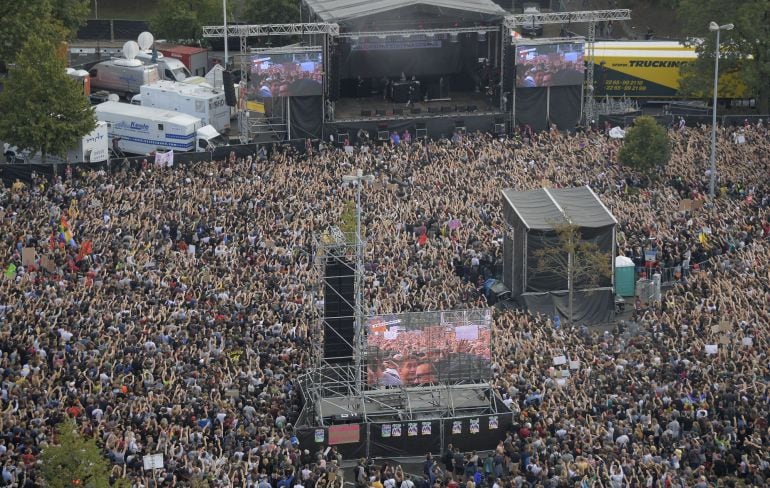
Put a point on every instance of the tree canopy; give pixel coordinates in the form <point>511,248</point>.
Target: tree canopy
<point>75,461</point>
<point>745,50</point>
<point>43,109</point>
<point>52,20</point>
<point>646,145</point>
<point>182,20</point>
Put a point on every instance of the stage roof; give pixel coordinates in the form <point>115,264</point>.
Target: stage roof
<point>342,10</point>
<point>544,208</point>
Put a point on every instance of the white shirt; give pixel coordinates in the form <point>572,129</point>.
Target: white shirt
<point>407,483</point>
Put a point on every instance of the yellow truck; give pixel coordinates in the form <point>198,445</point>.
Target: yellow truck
<point>648,69</point>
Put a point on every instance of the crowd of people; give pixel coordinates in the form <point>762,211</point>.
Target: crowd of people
<point>174,310</point>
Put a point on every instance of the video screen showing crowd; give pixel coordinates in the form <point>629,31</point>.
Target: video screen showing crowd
<point>546,65</point>
<point>287,75</point>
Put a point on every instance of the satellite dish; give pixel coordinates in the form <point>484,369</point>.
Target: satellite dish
<point>113,97</point>
<point>145,40</point>
<point>130,50</point>
<point>81,72</point>
<point>71,71</point>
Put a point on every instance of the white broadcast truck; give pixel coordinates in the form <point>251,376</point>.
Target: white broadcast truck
<point>91,148</point>
<point>197,100</point>
<point>168,68</point>
<point>144,130</point>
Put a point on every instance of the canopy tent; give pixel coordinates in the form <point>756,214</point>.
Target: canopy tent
<point>532,217</point>
<point>351,14</point>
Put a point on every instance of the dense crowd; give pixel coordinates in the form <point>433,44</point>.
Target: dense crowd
<point>173,309</point>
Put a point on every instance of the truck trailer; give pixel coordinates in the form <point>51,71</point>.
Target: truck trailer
<point>123,76</point>
<point>144,130</point>
<point>197,100</point>
<point>91,148</point>
<point>195,58</point>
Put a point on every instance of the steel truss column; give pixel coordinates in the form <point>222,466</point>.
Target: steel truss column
<point>590,102</point>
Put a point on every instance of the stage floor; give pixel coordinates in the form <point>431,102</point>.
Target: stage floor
<point>350,109</point>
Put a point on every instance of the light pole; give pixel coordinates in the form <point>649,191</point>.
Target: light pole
<point>358,179</point>
<point>224,15</point>
<point>713,26</point>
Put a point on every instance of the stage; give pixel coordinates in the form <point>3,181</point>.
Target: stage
<point>374,108</point>
<point>461,112</point>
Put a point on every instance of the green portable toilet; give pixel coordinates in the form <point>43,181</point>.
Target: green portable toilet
<point>624,276</point>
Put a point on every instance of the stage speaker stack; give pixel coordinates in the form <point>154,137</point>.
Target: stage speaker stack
<point>229,86</point>
<point>339,311</point>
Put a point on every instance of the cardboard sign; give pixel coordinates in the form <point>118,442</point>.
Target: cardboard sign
<point>153,461</point>
<point>28,256</point>
<point>711,348</point>
<point>574,365</point>
<point>724,340</point>
<point>685,205</point>
<point>47,263</point>
<point>747,341</point>
<point>559,360</point>
<point>725,326</point>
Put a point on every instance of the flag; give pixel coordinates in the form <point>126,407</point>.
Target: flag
<point>10,271</point>
<point>85,249</point>
<point>703,239</point>
<point>422,239</point>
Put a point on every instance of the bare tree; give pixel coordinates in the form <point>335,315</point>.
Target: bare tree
<point>575,260</point>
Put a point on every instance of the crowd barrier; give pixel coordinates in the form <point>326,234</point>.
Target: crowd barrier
<point>691,120</point>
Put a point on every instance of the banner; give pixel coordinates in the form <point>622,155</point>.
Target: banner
<point>165,159</point>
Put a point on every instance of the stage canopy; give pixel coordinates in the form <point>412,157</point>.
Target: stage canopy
<point>532,217</point>
<point>374,15</point>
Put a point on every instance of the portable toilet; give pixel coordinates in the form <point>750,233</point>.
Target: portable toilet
<point>624,276</point>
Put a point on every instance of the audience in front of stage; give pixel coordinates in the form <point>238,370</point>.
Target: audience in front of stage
<point>174,310</point>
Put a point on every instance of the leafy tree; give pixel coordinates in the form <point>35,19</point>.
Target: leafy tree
<point>646,145</point>
<point>745,50</point>
<point>75,461</point>
<point>348,221</point>
<point>272,11</point>
<point>43,109</point>
<point>21,20</point>
<point>577,261</point>
<point>182,20</point>
<point>71,14</point>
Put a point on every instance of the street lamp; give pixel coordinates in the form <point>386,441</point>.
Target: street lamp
<point>713,26</point>
<point>224,19</point>
<point>358,179</point>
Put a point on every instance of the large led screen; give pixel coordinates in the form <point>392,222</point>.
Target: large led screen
<point>549,65</point>
<point>425,348</point>
<point>287,74</point>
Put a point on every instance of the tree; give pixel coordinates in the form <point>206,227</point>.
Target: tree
<point>21,20</point>
<point>75,461</point>
<point>646,145</point>
<point>272,11</point>
<point>577,261</point>
<point>182,20</point>
<point>71,14</point>
<point>745,50</point>
<point>43,108</point>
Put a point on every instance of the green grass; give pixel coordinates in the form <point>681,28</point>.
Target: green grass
<point>125,10</point>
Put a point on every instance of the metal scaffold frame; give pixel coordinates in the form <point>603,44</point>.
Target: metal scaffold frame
<point>257,30</point>
<point>581,16</point>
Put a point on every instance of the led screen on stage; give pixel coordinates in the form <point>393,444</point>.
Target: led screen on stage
<point>424,348</point>
<point>287,74</point>
<point>549,65</point>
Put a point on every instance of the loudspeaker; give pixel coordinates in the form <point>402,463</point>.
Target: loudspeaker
<point>499,129</point>
<point>227,80</point>
<point>472,108</point>
<point>339,311</point>
<point>380,112</point>
<point>383,135</point>
<point>366,113</point>
<point>342,136</point>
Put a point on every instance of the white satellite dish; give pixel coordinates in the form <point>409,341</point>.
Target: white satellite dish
<point>113,97</point>
<point>130,50</point>
<point>71,71</point>
<point>145,40</point>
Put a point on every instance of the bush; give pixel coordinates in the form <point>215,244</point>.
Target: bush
<point>646,146</point>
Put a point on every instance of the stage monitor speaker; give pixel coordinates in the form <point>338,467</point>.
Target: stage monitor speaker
<point>380,112</point>
<point>421,133</point>
<point>341,137</point>
<point>339,310</point>
<point>446,109</point>
<point>227,81</point>
<point>460,126</point>
<point>366,113</point>
<point>499,129</point>
<point>416,110</point>
<point>472,108</point>
<point>400,111</point>
<point>383,135</point>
